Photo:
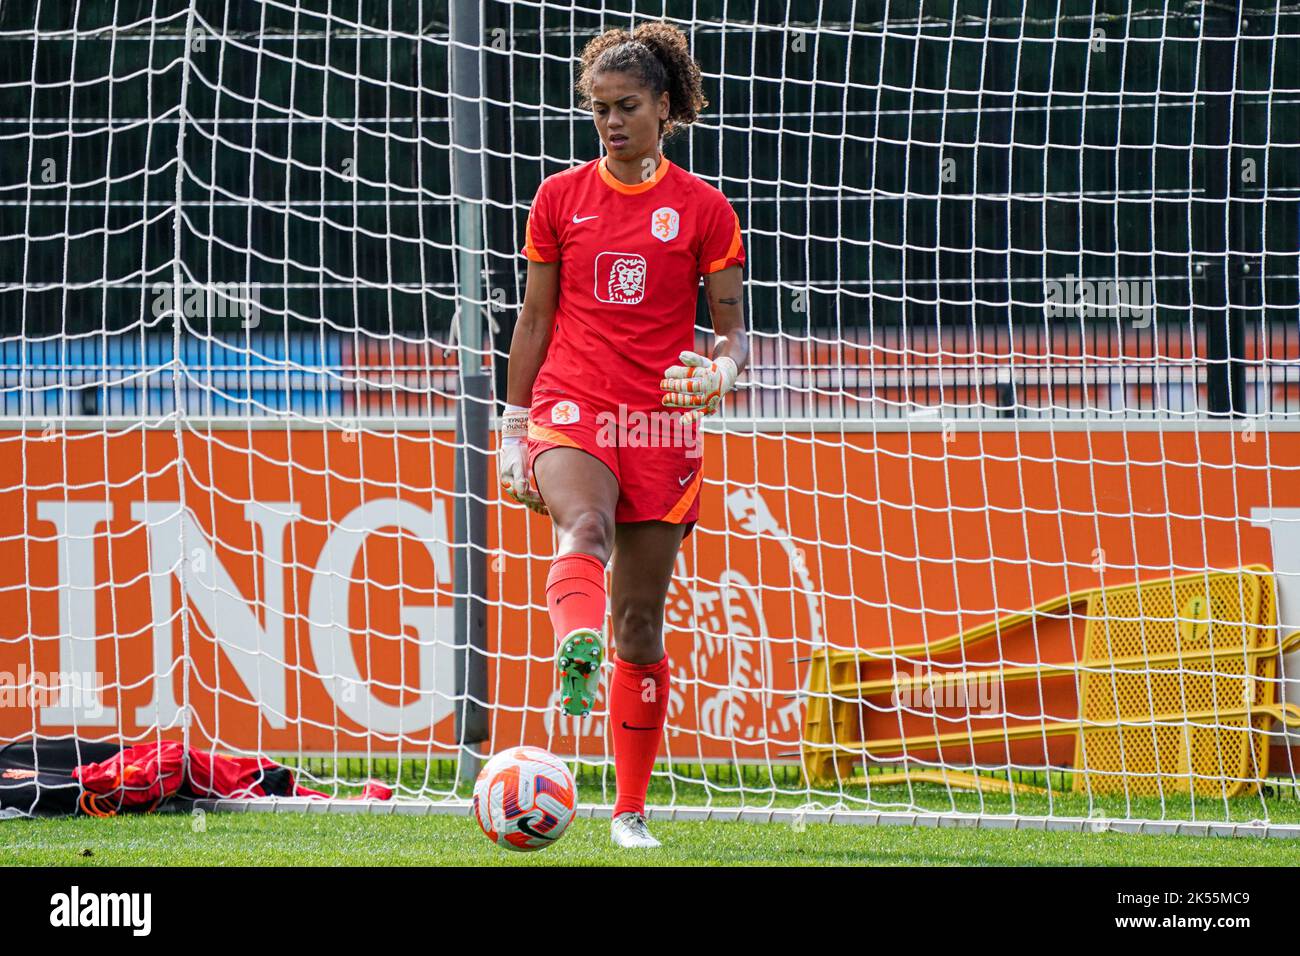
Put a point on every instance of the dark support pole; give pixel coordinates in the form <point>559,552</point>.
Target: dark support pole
<point>473,411</point>
<point>1216,224</point>
<point>502,251</point>
<point>1006,394</point>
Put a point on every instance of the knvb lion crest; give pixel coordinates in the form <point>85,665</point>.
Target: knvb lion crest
<point>620,277</point>
<point>564,413</point>
<point>664,223</point>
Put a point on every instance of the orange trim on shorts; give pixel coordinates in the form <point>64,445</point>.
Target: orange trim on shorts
<point>613,182</point>
<point>542,433</point>
<point>718,264</point>
<point>684,502</point>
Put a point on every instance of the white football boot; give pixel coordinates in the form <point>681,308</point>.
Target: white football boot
<point>629,830</point>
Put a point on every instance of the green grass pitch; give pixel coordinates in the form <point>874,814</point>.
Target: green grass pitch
<point>243,839</point>
<point>333,839</point>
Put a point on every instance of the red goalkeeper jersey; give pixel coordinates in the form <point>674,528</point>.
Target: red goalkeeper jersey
<point>631,258</point>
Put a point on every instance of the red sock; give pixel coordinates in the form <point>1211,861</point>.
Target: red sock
<point>638,707</point>
<point>575,593</point>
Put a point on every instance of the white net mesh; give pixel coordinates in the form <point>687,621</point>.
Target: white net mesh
<point>1023,298</point>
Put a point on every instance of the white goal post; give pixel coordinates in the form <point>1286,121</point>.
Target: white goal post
<point>1002,523</point>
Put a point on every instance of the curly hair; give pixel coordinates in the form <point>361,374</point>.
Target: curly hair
<point>657,54</point>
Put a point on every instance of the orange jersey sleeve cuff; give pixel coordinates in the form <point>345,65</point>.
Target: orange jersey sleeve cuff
<point>734,256</point>
<point>531,252</point>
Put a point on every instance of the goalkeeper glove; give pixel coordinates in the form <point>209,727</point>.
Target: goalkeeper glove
<point>512,459</point>
<point>698,384</point>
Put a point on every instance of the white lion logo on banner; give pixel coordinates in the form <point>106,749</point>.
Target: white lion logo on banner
<point>734,677</point>
<point>620,277</point>
<point>740,683</point>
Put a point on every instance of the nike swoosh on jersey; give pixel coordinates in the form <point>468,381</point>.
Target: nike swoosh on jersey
<point>576,220</point>
<point>682,481</point>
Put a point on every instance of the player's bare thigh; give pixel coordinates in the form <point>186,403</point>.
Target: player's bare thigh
<point>580,492</point>
<point>644,555</point>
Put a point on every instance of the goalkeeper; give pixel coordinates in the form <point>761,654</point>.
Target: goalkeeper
<point>616,248</point>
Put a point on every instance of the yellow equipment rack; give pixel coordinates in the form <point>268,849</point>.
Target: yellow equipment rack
<point>1174,689</point>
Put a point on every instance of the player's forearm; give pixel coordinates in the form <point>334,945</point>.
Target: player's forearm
<point>734,345</point>
<point>724,293</point>
<point>528,348</point>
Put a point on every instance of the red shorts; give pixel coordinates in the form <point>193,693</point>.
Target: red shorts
<point>658,462</point>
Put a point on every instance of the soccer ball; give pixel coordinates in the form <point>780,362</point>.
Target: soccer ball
<point>524,799</point>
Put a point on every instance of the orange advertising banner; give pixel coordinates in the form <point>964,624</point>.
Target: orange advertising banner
<point>292,591</point>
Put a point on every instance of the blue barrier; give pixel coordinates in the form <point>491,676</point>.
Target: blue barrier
<point>130,374</point>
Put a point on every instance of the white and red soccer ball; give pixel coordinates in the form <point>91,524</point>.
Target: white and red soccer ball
<point>524,798</point>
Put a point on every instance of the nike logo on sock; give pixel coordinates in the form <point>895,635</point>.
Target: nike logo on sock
<point>563,596</point>
<point>627,726</point>
<point>576,220</point>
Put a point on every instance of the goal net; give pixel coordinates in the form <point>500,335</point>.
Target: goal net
<point>1003,517</point>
